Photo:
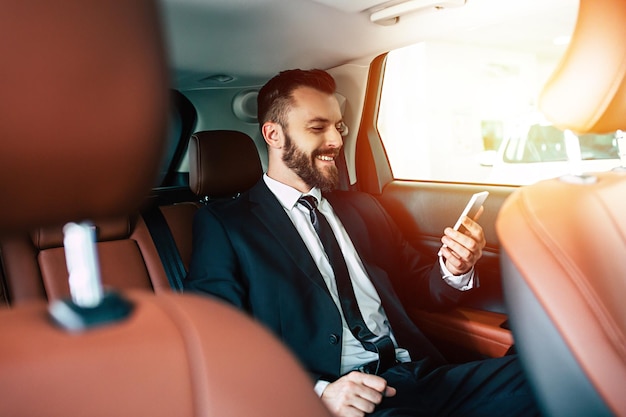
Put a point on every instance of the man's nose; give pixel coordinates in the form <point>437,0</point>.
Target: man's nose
<point>334,139</point>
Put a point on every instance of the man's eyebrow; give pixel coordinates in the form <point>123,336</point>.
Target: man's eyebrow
<point>322,120</point>
<point>318,120</point>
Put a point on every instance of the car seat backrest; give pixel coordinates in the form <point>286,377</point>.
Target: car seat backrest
<point>563,276</point>
<point>179,356</point>
<point>83,119</point>
<point>563,240</point>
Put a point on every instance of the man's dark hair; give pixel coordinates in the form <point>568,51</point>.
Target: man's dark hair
<point>276,96</point>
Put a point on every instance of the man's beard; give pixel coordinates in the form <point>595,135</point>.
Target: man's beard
<point>304,166</point>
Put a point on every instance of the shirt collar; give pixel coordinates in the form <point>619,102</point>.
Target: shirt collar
<point>287,195</point>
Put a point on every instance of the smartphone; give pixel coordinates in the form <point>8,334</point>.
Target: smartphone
<point>472,207</point>
<point>470,210</point>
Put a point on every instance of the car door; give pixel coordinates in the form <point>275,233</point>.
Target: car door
<point>422,208</point>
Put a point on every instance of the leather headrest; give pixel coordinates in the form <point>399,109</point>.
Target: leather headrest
<point>587,91</point>
<point>222,163</point>
<point>83,109</point>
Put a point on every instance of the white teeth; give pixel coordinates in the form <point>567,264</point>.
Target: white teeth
<point>325,158</point>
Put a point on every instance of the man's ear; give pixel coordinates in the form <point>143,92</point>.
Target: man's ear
<point>273,134</point>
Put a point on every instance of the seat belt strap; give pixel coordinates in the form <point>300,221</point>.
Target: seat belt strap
<point>166,247</point>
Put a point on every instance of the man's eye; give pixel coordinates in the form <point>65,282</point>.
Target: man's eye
<point>317,128</point>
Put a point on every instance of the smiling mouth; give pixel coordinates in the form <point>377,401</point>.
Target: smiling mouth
<point>328,158</point>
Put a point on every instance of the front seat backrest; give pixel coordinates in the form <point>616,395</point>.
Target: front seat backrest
<point>563,240</point>
<point>82,119</point>
<point>563,247</point>
<point>178,356</point>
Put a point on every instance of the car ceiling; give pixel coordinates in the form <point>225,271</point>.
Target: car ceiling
<point>251,40</point>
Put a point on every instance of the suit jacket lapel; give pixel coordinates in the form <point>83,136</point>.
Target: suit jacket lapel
<point>270,212</point>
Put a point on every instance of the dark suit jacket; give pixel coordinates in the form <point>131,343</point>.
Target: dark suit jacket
<point>248,252</point>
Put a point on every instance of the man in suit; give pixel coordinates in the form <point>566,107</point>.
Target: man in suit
<point>264,253</point>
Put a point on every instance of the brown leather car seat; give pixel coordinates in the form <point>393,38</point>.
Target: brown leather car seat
<point>83,117</point>
<point>563,240</point>
<point>223,163</point>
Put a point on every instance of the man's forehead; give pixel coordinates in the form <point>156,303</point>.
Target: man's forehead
<point>315,105</point>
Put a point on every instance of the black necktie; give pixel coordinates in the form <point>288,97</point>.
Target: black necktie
<point>382,345</point>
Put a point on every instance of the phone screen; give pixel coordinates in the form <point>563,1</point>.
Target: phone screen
<point>472,207</point>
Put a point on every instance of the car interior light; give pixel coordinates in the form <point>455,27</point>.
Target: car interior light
<point>218,78</point>
<point>395,11</point>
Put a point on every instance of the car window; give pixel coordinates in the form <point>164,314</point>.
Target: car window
<point>461,112</point>
<point>599,146</point>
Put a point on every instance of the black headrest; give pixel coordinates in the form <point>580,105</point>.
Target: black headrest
<point>222,163</point>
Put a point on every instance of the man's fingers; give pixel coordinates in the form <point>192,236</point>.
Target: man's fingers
<point>372,388</point>
<point>390,392</point>
<point>471,239</point>
<point>356,392</point>
<point>373,381</point>
<point>462,250</point>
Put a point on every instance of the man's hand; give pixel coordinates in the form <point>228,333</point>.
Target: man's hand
<point>461,250</point>
<point>356,394</point>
